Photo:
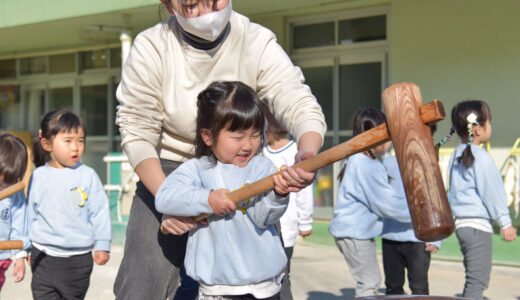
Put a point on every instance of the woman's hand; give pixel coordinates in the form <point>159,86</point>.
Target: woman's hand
<point>178,225</point>
<point>220,202</point>
<point>297,178</point>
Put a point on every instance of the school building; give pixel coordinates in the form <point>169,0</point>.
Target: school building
<point>60,53</point>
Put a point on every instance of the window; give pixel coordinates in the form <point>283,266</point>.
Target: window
<point>343,59</point>
<point>10,107</point>
<point>96,59</point>
<point>94,109</point>
<point>33,65</point>
<point>338,29</point>
<point>62,63</point>
<point>7,68</point>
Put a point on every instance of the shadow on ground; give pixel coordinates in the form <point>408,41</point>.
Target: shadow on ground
<point>345,294</point>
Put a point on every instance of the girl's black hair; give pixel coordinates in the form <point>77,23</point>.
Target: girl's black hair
<point>226,103</point>
<point>274,126</point>
<point>365,119</point>
<point>13,159</point>
<point>459,121</point>
<point>53,122</point>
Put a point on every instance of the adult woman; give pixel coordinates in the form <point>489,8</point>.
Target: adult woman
<point>169,64</point>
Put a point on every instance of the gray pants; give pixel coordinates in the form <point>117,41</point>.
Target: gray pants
<point>362,260</point>
<point>151,260</point>
<point>477,248</point>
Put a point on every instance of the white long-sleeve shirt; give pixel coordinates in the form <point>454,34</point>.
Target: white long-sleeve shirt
<point>163,75</point>
<point>298,216</point>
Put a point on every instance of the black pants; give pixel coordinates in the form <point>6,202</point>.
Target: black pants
<point>60,277</point>
<point>398,256</point>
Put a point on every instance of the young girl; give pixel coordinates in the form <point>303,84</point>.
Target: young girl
<point>13,220</point>
<point>238,252</point>
<point>68,211</point>
<point>477,195</point>
<point>297,220</point>
<point>364,198</point>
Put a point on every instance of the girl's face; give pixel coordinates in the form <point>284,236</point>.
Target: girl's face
<point>233,147</point>
<point>66,148</point>
<point>482,133</point>
<point>196,8</point>
<point>381,149</point>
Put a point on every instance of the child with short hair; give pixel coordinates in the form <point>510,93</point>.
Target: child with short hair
<point>477,195</point>
<point>68,211</point>
<point>364,198</point>
<point>13,209</point>
<point>238,253</point>
<point>297,219</point>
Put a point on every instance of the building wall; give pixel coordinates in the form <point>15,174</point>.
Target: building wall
<point>453,50</point>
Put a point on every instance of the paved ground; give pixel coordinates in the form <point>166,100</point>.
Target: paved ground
<point>318,273</point>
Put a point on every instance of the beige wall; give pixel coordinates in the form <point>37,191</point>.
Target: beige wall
<point>457,50</point>
<point>454,50</point>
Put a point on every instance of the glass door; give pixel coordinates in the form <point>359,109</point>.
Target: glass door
<point>342,85</point>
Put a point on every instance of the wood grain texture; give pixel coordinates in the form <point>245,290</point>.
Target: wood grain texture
<point>427,199</point>
<point>13,189</point>
<point>10,245</point>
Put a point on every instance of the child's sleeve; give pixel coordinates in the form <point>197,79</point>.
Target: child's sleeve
<point>99,214</point>
<point>182,193</point>
<point>267,208</point>
<point>19,226</point>
<point>305,207</point>
<point>382,199</point>
<point>491,189</point>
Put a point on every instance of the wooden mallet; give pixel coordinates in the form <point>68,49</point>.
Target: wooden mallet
<point>413,143</point>
<point>13,189</point>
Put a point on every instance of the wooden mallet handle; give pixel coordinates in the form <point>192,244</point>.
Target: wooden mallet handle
<point>430,113</point>
<point>13,189</point>
<point>10,245</point>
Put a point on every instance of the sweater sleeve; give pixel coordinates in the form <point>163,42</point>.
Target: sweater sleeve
<point>281,85</point>
<point>99,214</point>
<point>267,208</point>
<point>491,189</point>
<point>140,110</point>
<point>182,193</point>
<point>19,226</point>
<point>305,208</point>
<point>381,197</point>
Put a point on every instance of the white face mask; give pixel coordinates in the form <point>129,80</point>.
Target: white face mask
<point>208,26</point>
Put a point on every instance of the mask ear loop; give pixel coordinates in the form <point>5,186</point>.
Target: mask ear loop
<point>472,122</point>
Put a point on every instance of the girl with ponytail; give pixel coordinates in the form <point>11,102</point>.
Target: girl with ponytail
<point>477,195</point>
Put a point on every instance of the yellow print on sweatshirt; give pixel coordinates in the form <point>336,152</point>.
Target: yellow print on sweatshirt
<point>82,196</point>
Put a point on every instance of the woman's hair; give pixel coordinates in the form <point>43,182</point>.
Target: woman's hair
<point>53,122</point>
<point>463,124</point>
<point>13,158</point>
<point>365,119</point>
<point>226,103</point>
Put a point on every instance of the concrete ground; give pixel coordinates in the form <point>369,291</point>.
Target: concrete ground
<point>318,273</point>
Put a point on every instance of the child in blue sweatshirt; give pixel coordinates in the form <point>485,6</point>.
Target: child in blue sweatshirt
<point>364,198</point>
<point>68,211</point>
<point>238,252</point>
<point>13,209</point>
<point>477,195</point>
